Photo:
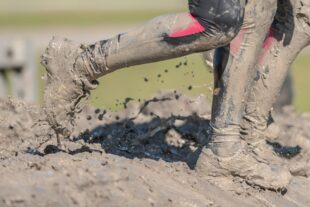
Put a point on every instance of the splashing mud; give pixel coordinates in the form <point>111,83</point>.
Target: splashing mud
<point>142,156</point>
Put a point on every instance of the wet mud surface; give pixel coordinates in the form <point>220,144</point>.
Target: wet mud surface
<point>142,156</point>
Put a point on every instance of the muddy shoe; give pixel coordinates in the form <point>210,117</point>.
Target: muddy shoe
<point>254,131</point>
<point>246,165</point>
<point>260,147</point>
<point>67,84</point>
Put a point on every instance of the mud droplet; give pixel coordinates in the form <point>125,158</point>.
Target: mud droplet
<point>146,79</point>
<point>51,149</point>
<point>166,71</point>
<point>117,118</point>
<point>126,101</point>
<point>159,75</point>
<point>190,88</point>
<point>97,111</point>
<point>179,65</point>
<point>89,117</point>
<point>100,117</point>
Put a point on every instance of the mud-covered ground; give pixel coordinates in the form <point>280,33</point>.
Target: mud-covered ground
<point>142,156</point>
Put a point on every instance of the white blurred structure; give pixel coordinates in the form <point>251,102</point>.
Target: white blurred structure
<point>17,70</point>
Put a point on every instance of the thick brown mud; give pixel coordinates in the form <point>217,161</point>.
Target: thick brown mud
<point>142,156</point>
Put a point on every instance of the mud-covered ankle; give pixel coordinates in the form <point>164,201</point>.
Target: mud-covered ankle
<point>225,142</point>
<point>252,136</point>
<point>225,148</point>
<point>81,67</point>
<point>253,126</point>
<point>94,59</point>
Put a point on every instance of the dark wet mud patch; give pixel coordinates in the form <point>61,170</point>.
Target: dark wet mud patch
<point>286,152</point>
<point>172,139</point>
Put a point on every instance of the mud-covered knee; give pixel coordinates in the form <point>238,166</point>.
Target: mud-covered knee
<point>218,16</point>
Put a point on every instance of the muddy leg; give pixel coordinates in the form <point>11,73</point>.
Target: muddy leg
<point>233,71</point>
<point>289,34</point>
<point>73,68</point>
<point>210,24</point>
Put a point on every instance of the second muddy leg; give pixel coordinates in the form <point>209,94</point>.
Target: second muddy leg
<point>289,34</point>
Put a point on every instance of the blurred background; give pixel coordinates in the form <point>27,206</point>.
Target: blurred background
<point>27,26</point>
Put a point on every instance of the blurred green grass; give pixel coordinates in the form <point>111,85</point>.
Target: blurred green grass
<point>187,75</point>
<point>75,18</point>
<point>301,74</point>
